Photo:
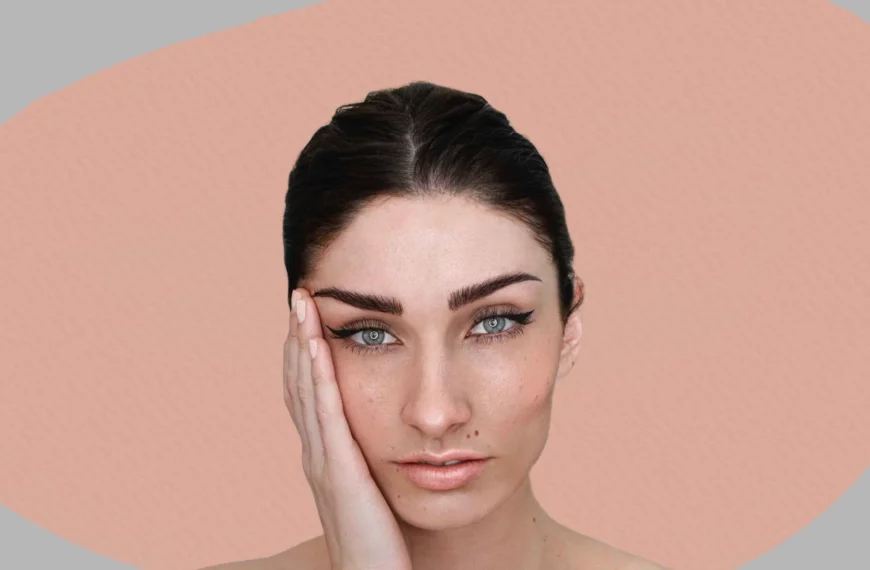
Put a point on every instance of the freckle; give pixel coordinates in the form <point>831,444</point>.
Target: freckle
<point>476,433</point>
<point>534,519</point>
<point>468,436</point>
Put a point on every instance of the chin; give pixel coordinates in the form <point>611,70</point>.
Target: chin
<point>428,511</point>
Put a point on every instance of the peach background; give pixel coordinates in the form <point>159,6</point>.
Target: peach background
<point>712,160</point>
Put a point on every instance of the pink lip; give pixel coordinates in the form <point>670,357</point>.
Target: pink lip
<point>443,478</point>
<point>443,458</point>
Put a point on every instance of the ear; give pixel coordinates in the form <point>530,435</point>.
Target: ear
<point>573,332</point>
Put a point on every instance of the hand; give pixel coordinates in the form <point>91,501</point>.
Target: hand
<point>360,530</point>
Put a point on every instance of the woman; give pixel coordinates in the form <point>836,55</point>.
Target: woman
<point>433,308</point>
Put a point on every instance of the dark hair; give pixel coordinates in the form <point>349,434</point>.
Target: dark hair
<point>420,140</point>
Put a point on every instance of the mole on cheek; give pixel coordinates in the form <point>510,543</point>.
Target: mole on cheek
<point>476,433</point>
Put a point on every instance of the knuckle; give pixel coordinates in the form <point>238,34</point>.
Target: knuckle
<point>303,397</point>
<point>322,415</point>
<point>316,375</point>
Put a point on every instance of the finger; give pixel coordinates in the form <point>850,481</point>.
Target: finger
<point>334,429</point>
<point>291,356</point>
<point>304,384</point>
<point>293,387</point>
<point>292,351</point>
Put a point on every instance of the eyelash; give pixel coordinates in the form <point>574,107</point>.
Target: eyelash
<point>521,320</point>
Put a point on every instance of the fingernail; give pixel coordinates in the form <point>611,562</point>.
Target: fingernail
<point>293,298</point>
<point>300,310</point>
<point>312,348</point>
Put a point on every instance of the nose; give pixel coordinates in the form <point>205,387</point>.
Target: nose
<point>437,402</point>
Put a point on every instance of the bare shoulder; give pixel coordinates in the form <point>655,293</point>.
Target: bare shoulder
<point>309,555</point>
<point>585,551</point>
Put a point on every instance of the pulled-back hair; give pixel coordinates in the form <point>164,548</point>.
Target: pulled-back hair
<point>420,140</point>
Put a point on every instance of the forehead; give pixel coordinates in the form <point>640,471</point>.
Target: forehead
<point>414,248</point>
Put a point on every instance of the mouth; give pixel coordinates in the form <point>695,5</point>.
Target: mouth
<point>443,475</point>
<point>446,464</point>
<point>447,458</point>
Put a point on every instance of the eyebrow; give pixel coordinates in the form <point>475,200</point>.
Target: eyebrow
<point>456,301</point>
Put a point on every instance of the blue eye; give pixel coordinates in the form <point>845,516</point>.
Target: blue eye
<point>493,325</point>
<point>373,337</point>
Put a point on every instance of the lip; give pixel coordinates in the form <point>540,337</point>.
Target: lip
<point>443,478</point>
<point>443,458</point>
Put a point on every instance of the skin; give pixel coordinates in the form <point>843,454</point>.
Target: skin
<point>437,386</point>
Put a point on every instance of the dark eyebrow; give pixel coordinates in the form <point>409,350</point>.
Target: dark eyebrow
<point>456,301</point>
<point>472,293</point>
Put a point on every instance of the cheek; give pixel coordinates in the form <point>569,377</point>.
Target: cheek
<point>517,422</point>
<point>367,404</point>
<point>516,391</point>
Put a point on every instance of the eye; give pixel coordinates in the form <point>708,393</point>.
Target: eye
<point>493,325</point>
<point>372,337</point>
<point>364,336</point>
<point>497,327</point>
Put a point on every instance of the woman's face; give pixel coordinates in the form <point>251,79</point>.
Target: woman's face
<point>443,378</point>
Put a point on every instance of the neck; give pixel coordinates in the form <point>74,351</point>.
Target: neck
<point>513,536</point>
